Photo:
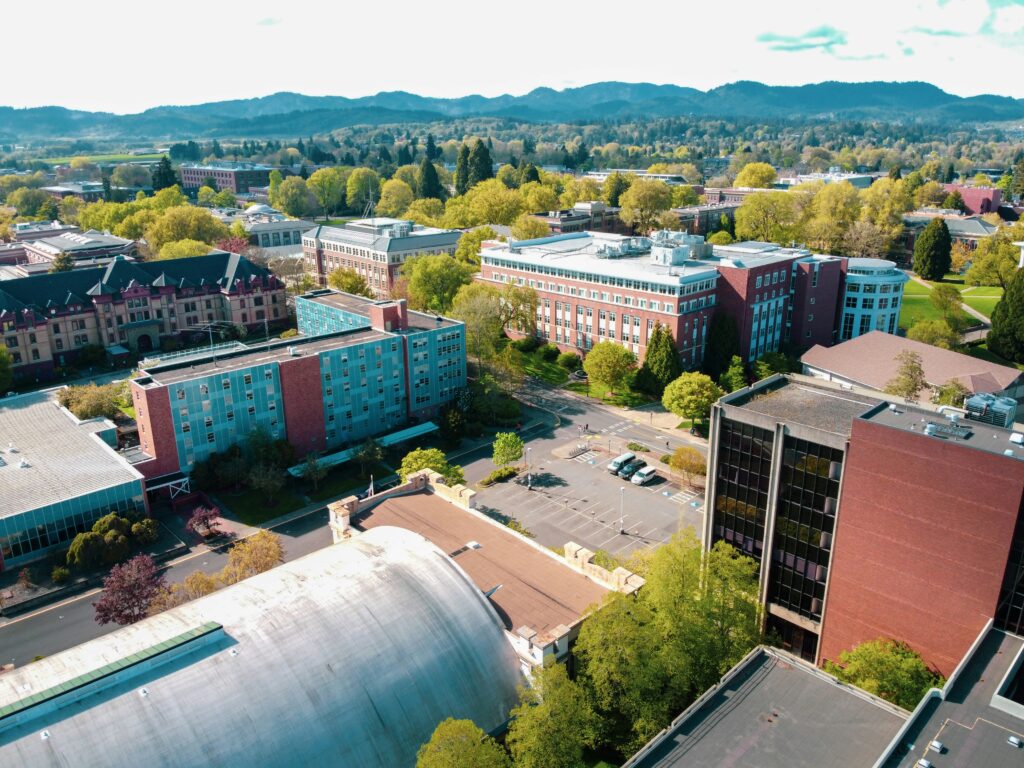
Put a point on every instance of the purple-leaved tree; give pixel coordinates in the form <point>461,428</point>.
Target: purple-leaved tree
<point>128,591</point>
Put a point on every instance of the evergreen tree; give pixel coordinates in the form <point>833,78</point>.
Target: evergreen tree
<point>164,175</point>
<point>661,363</point>
<point>723,342</point>
<point>384,154</point>
<point>528,173</point>
<point>461,170</point>
<point>481,167</point>
<point>403,156</point>
<point>950,174</point>
<point>895,173</point>
<point>1007,335</point>
<point>216,149</point>
<point>300,145</point>
<point>932,251</point>
<point>427,183</point>
<point>431,151</point>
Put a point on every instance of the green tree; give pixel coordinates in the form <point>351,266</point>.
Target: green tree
<point>462,170</point>
<point>767,217</point>
<point>349,281</point>
<point>128,175</point>
<point>275,185</point>
<point>609,364</point>
<point>909,379</point>
<point>430,458</point>
<point>27,201</point>
<point>362,188</point>
<point>723,344</point>
<point>478,305</point>
<point>86,551</point>
<point>526,227</point>
<point>185,223</point>
<point>460,744</point>
<point>643,202</point>
<point>721,237</point>
<point>952,393</point>
<point>932,251</point>
<point>615,185</point>
<point>183,249</point>
<point>508,448</point>
<point>491,202</point>
<point>395,198</point>
<point>481,166</point>
<point>1006,338</point>
<point>268,480</point>
<point>691,396</point>
<point>468,249</point>
<point>205,195</point>
<point>661,362</point>
<point>954,201</point>
<point>554,723</point>
<point>689,462</point>
<point>328,186</point>
<point>735,377</point>
<point>938,333</point>
<point>370,453</point>
<point>832,212</point>
<point>295,198</point>
<point>946,299</point>
<point>427,211</point>
<point>62,262</point>
<point>6,369</point>
<point>887,668</point>
<point>771,363</point>
<point>757,175</point>
<point>994,261</point>
<point>428,183</point>
<point>164,175</point>
<point>434,281</point>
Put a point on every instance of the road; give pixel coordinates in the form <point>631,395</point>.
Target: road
<point>66,624</point>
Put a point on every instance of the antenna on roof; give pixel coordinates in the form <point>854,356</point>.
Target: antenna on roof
<point>368,212</point>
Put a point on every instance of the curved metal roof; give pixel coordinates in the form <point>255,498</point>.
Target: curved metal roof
<point>348,656</point>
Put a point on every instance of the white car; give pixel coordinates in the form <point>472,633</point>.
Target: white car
<point>644,476</point>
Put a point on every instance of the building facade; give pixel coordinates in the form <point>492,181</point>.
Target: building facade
<point>588,216</point>
<point>360,368</point>
<point>46,320</point>
<point>872,297</point>
<point>374,248</point>
<point>234,177</point>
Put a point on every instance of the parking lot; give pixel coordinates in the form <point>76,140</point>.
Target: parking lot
<point>578,500</point>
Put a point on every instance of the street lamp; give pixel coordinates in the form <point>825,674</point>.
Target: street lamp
<point>622,517</point>
<point>529,471</point>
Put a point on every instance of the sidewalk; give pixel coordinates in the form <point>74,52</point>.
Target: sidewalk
<point>976,334</point>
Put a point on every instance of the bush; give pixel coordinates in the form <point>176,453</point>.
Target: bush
<point>549,352</point>
<point>569,361</point>
<point>637,447</point>
<point>526,344</point>
<point>290,333</point>
<point>60,574</point>
<point>144,532</point>
<point>515,525</point>
<point>499,475</point>
<point>86,550</point>
<point>666,458</point>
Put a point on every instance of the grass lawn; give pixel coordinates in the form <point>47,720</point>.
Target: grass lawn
<point>982,298</point>
<point>917,306</point>
<point>250,506</point>
<point>548,371</point>
<point>952,278</point>
<point>122,158</point>
<point>981,351</point>
<point>344,479</point>
<point>335,222</point>
<point>623,397</point>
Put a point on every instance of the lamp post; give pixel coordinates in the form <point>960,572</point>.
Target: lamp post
<point>622,516</point>
<point>529,471</point>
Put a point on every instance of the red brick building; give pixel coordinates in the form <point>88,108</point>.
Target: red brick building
<point>978,199</point>
<point>234,177</point>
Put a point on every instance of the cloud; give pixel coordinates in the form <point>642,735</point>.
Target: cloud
<point>932,32</point>
<point>823,38</point>
<point>268,22</point>
<point>908,51</point>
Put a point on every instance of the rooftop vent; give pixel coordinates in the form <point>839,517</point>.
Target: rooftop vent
<point>12,449</point>
<point>23,464</point>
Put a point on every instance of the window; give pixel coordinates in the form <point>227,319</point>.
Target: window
<point>758,283</point>
<point>851,302</point>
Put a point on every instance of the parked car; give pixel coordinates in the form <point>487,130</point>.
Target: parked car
<point>630,469</point>
<point>644,476</point>
<point>620,461</point>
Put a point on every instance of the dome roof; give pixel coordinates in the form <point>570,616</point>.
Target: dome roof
<point>260,208</point>
<point>348,656</point>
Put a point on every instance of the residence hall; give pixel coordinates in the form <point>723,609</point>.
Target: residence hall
<point>595,287</point>
<point>869,517</point>
<point>46,320</point>
<point>374,248</point>
<point>360,368</point>
<point>232,176</point>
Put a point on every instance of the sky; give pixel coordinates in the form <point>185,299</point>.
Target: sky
<point>97,55</point>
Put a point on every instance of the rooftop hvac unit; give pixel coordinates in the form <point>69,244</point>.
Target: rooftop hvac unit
<point>989,409</point>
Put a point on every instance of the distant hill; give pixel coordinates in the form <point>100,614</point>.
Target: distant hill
<point>290,114</point>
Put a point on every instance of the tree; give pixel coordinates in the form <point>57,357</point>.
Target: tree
<point>527,227</point>
<point>362,188</point>
<point>164,175</point>
<point>478,305</point>
<point>723,344</point>
<point>887,668</point>
<point>481,166</point>
<point>952,393</point>
<point>508,448</point>
<point>369,454</point>
<point>128,591</point>
<point>86,550</point>
<point>428,183</point>
<point>960,257</point>
<point>268,480</point>
<point>197,584</point>
<point>183,249</point>
<point>909,379</point>
<point>932,251</point>
<point>470,243</point>
<point>128,175</point>
<point>225,199</point>
<point>1006,338</point>
<point>954,201</point>
<point>204,521</point>
<point>27,201</point>
<point>661,362</point>
<point>994,261</point>
<point>349,281</point>
<point>295,198</point>
<point>609,364</point>
<point>721,237</point>
<point>89,401</point>
<point>430,149</point>
<point>427,212</point>
<point>691,396</point>
<point>771,363</point>
<point>642,203</point>
<point>63,262</point>
<point>757,175</point>
<point>735,377</point>
<point>395,198</point>
<point>615,185</point>
<point>460,744</point>
<point>275,185</point>
<point>689,462</point>
<point>462,171</point>
<point>430,458</point>
<point>946,298</point>
<point>491,202</point>
<point>434,281</point>
<point>328,186</point>
<point>865,240</point>
<point>767,217</point>
<point>554,723</point>
<point>184,223</point>
<point>6,369</point>
<point>255,554</point>
<point>313,470</point>
<point>833,210</point>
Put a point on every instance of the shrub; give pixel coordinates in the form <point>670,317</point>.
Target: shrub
<point>144,532</point>
<point>86,550</point>
<point>290,333</point>
<point>666,458</point>
<point>499,475</point>
<point>549,352</point>
<point>526,344</point>
<point>515,525</point>
<point>637,447</point>
<point>116,547</point>
<point>60,574</point>
<point>569,361</point>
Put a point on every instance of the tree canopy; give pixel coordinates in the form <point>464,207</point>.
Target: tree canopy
<point>610,364</point>
<point>461,744</point>
<point>661,362</point>
<point>1006,338</point>
<point>349,281</point>
<point>435,280</point>
<point>932,251</point>
<point>691,396</point>
<point>909,379</point>
<point>430,458</point>
<point>886,668</point>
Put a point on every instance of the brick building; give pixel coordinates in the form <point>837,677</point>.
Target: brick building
<point>868,518</point>
<point>589,216</point>
<point>978,200</point>
<point>234,177</point>
<point>375,248</point>
<point>47,319</point>
<point>705,219</point>
<point>360,368</point>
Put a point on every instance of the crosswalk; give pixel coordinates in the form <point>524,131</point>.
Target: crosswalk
<point>617,428</point>
<point>685,496</point>
<point>587,457</point>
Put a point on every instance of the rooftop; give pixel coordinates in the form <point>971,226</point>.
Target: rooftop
<point>65,457</point>
<point>537,589</point>
<point>228,165</point>
<point>972,730</point>
<point>204,364</point>
<point>72,242</point>
<point>360,305</point>
<point>774,711</point>
<point>386,234</point>
<point>802,402</point>
<point>870,360</point>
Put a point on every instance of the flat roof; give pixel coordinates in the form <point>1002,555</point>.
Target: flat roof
<point>968,432</point>
<point>65,457</point>
<point>537,589</point>
<point>799,402</point>
<point>173,372</point>
<point>776,711</point>
<point>360,305</point>
<point>973,731</point>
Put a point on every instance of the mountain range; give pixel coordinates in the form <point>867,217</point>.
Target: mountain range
<point>291,114</point>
